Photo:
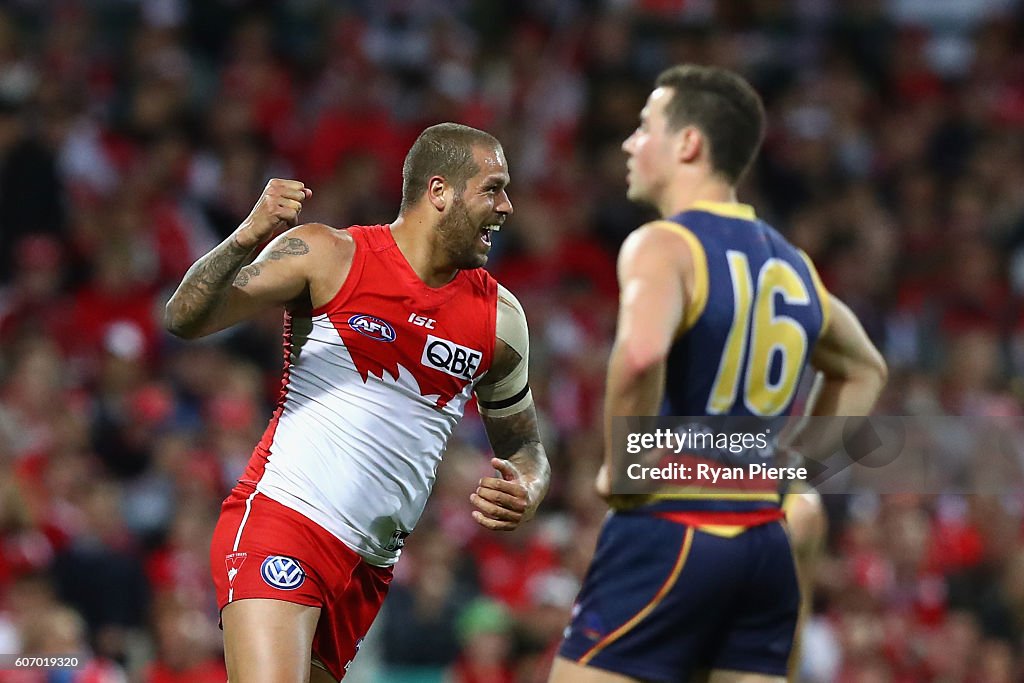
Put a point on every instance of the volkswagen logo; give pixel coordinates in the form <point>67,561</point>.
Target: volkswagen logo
<point>282,572</point>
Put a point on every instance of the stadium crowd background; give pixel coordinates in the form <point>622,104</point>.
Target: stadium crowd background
<point>135,134</point>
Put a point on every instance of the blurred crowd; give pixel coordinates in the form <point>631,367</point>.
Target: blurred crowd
<point>136,134</point>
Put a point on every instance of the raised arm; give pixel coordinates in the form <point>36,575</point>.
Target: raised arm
<point>220,289</point>
<point>506,406</point>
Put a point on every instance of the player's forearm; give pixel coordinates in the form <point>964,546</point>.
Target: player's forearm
<point>632,390</point>
<point>850,396</point>
<point>532,462</point>
<point>516,438</point>
<point>194,303</point>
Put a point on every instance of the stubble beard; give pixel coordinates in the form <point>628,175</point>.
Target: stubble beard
<point>459,238</point>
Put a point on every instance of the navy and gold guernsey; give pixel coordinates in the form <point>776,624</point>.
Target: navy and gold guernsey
<point>691,580</point>
<point>754,314</point>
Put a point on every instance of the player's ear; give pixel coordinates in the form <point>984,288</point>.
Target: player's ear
<point>689,144</point>
<point>437,189</point>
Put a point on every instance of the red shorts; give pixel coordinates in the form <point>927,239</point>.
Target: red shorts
<point>262,549</point>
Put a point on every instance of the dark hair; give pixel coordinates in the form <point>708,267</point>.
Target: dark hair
<point>445,150</point>
<point>724,107</point>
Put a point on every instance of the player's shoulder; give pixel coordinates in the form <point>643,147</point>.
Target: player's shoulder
<point>322,232</point>
<point>321,237</point>
<point>659,240</point>
<point>511,322</point>
<point>659,234</point>
<point>320,251</point>
<point>508,300</point>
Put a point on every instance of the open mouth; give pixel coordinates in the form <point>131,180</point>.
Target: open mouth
<point>485,232</point>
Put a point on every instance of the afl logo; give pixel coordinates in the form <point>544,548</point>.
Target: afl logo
<point>282,572</point>
<point>372,327</point>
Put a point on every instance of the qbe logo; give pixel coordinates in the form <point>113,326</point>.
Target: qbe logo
<point>450,358</point>
<point>373,327</point>
<point>282,572</point>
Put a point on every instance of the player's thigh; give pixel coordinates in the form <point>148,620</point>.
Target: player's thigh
<point>807,524</point>
<point>567,671</point>
<point>268,641</point>
<point>725,676</point>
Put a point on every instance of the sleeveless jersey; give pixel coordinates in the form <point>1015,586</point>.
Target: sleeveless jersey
<point>756,314</point>
<point>374,383</point>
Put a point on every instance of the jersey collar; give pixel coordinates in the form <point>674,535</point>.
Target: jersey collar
<point>726,209</point>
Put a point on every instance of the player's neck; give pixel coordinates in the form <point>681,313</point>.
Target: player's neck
<point>683,196</point>
<point>416,242</point>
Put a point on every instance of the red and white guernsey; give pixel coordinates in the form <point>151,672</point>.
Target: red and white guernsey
<point>374,383</point>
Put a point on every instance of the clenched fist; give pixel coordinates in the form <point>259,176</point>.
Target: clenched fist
<point>277,209</point>
<point>503,504</point>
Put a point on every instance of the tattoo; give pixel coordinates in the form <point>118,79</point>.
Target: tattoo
<point>516,438</point>
<point>212,269</point>
<point>245,274</point>
<point>508,435</point>
<point>206,282</point>
<point>293,247</point>
<point>200,291</point>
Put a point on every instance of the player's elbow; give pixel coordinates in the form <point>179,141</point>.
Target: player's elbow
<point>179,330</point>
<point>641,356</point>
<point>878,372</point>
<point>881,370</point>
<point>176,324</point>
<point>869,374</point>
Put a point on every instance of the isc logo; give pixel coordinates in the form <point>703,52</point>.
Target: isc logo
<point>449,357</point>
<point>372,327</point>
<point>422,321</point>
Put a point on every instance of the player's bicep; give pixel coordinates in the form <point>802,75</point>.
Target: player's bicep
<point>844,349</point>
<point>651,299</point>
<point>505,389</point>
<point>279,275</point>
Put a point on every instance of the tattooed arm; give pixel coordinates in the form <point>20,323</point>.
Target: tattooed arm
<point>220,290</point>
<point>506,406</point>
<point>503,504</point>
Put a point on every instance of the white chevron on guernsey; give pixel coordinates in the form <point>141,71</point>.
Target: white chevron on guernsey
<point>318,463</point>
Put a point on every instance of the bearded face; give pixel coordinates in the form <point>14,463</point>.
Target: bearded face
<point>464,232</point>
<point>466,239</point>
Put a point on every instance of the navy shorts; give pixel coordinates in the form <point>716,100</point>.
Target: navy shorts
<point>662,600</point>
